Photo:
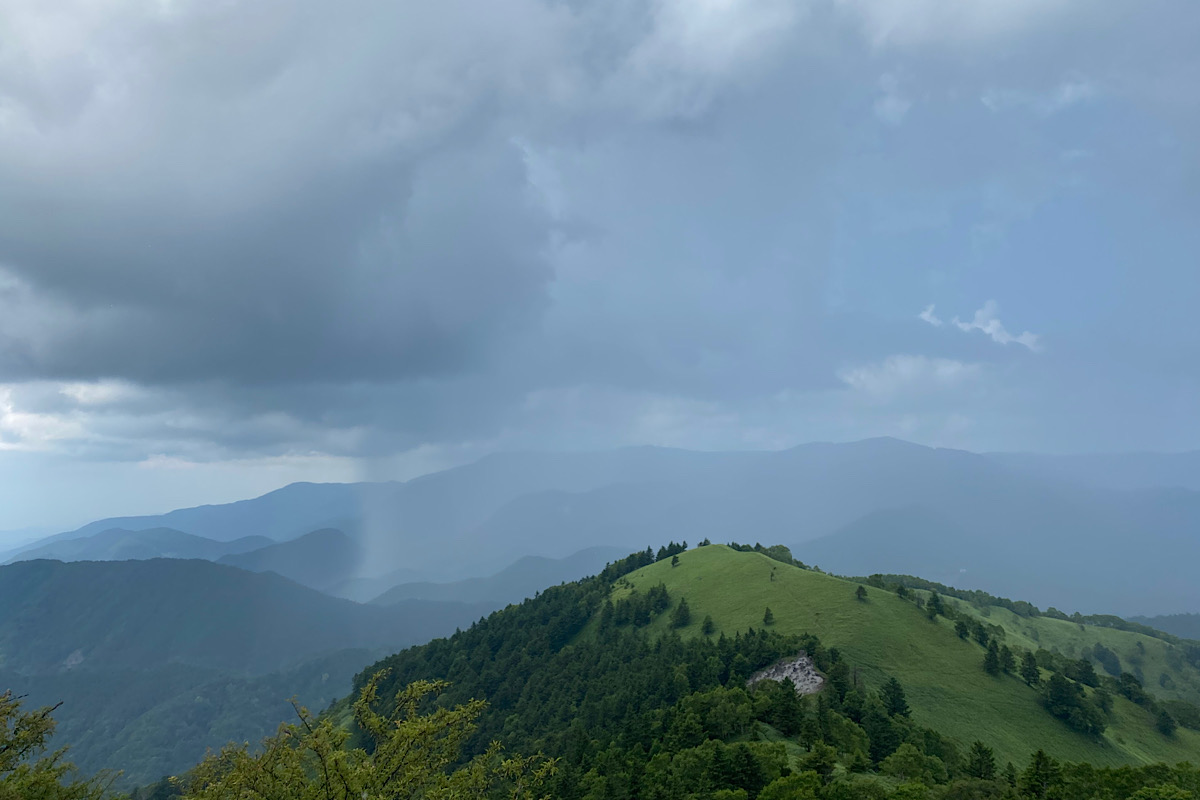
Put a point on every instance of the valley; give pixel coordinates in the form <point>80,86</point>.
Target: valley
<point>162,643</point>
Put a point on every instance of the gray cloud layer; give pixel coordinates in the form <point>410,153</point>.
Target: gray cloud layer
<point>357,228</point>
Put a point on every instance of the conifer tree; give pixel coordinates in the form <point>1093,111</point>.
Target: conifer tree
<point>935,605</point>
<point>787,712</point>
<point>991,660</point>
<point>681,617</point>
<point>894,700</point>
<point>981,762</point>
<point>1029,669</point>
<point>768,617</point>
<point>1041,778</point>
<point>708,627</point>
<point>861,593</point>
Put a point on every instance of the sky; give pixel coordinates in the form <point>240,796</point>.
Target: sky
<point>245,243</point>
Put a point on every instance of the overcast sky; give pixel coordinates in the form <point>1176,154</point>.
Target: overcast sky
<point>249,242</point>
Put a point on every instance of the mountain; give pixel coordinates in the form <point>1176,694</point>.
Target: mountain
<point>13,540</point>
<point>911,540</point>
<point>279,515</point>
<point>516,582</point>
<point>640,682</point>
<point>942,674</point>
<point>1071,548</point>
<point>999,529</point>
<point>157,660</point>
<point>135,614</point>
<point>1186,626</point>
<point>1071,541</point>
<point>362,590</point>
<point>1121,471</point>
<point>119,544</point>
<point>321,559</point>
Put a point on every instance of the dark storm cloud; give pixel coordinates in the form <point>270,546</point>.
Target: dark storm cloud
<point>264,194</point>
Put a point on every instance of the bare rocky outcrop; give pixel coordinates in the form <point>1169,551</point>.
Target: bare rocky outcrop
<point>799,669</point>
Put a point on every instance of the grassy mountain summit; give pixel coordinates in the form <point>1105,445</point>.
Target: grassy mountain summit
<point>884,634</point>
<point>638,681</point>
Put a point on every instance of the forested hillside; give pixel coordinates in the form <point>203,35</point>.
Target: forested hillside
<point>636,679</point>
<point>888,635</point>
<point>636,683</point>
<point>156,661</point>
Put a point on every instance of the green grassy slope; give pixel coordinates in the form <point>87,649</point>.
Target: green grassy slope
<point>885,635</point>
<point>1158,663</point>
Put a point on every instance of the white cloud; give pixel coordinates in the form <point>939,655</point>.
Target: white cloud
<point>928,315</point>
<point>695,47</point>
<point>99,393</point>
<point>22,429</point>
<point>915,23</point>
<point>899,374</point>
<point>1070,92</point>
<point>985,320</point>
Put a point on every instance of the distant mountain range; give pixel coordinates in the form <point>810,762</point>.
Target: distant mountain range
<point>1122,471</point>
<point>1186,626</point>
<point>521,580</point>
<point>322,559</point>
<point>1093,533</point>
<point>120,544</point>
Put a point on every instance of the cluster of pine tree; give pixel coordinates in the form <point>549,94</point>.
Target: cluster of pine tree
<point>622,715</point>
<point>1074,692</point>
<point>637,608</point>
<point>1190,650</point>
<point>777,552</point>
<point>634,716</point>
<point>671,550</point>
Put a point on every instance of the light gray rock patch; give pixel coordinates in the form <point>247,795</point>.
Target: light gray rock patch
<point>799,669</point>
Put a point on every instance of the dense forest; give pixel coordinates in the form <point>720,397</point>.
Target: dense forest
<point>599,690</point>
